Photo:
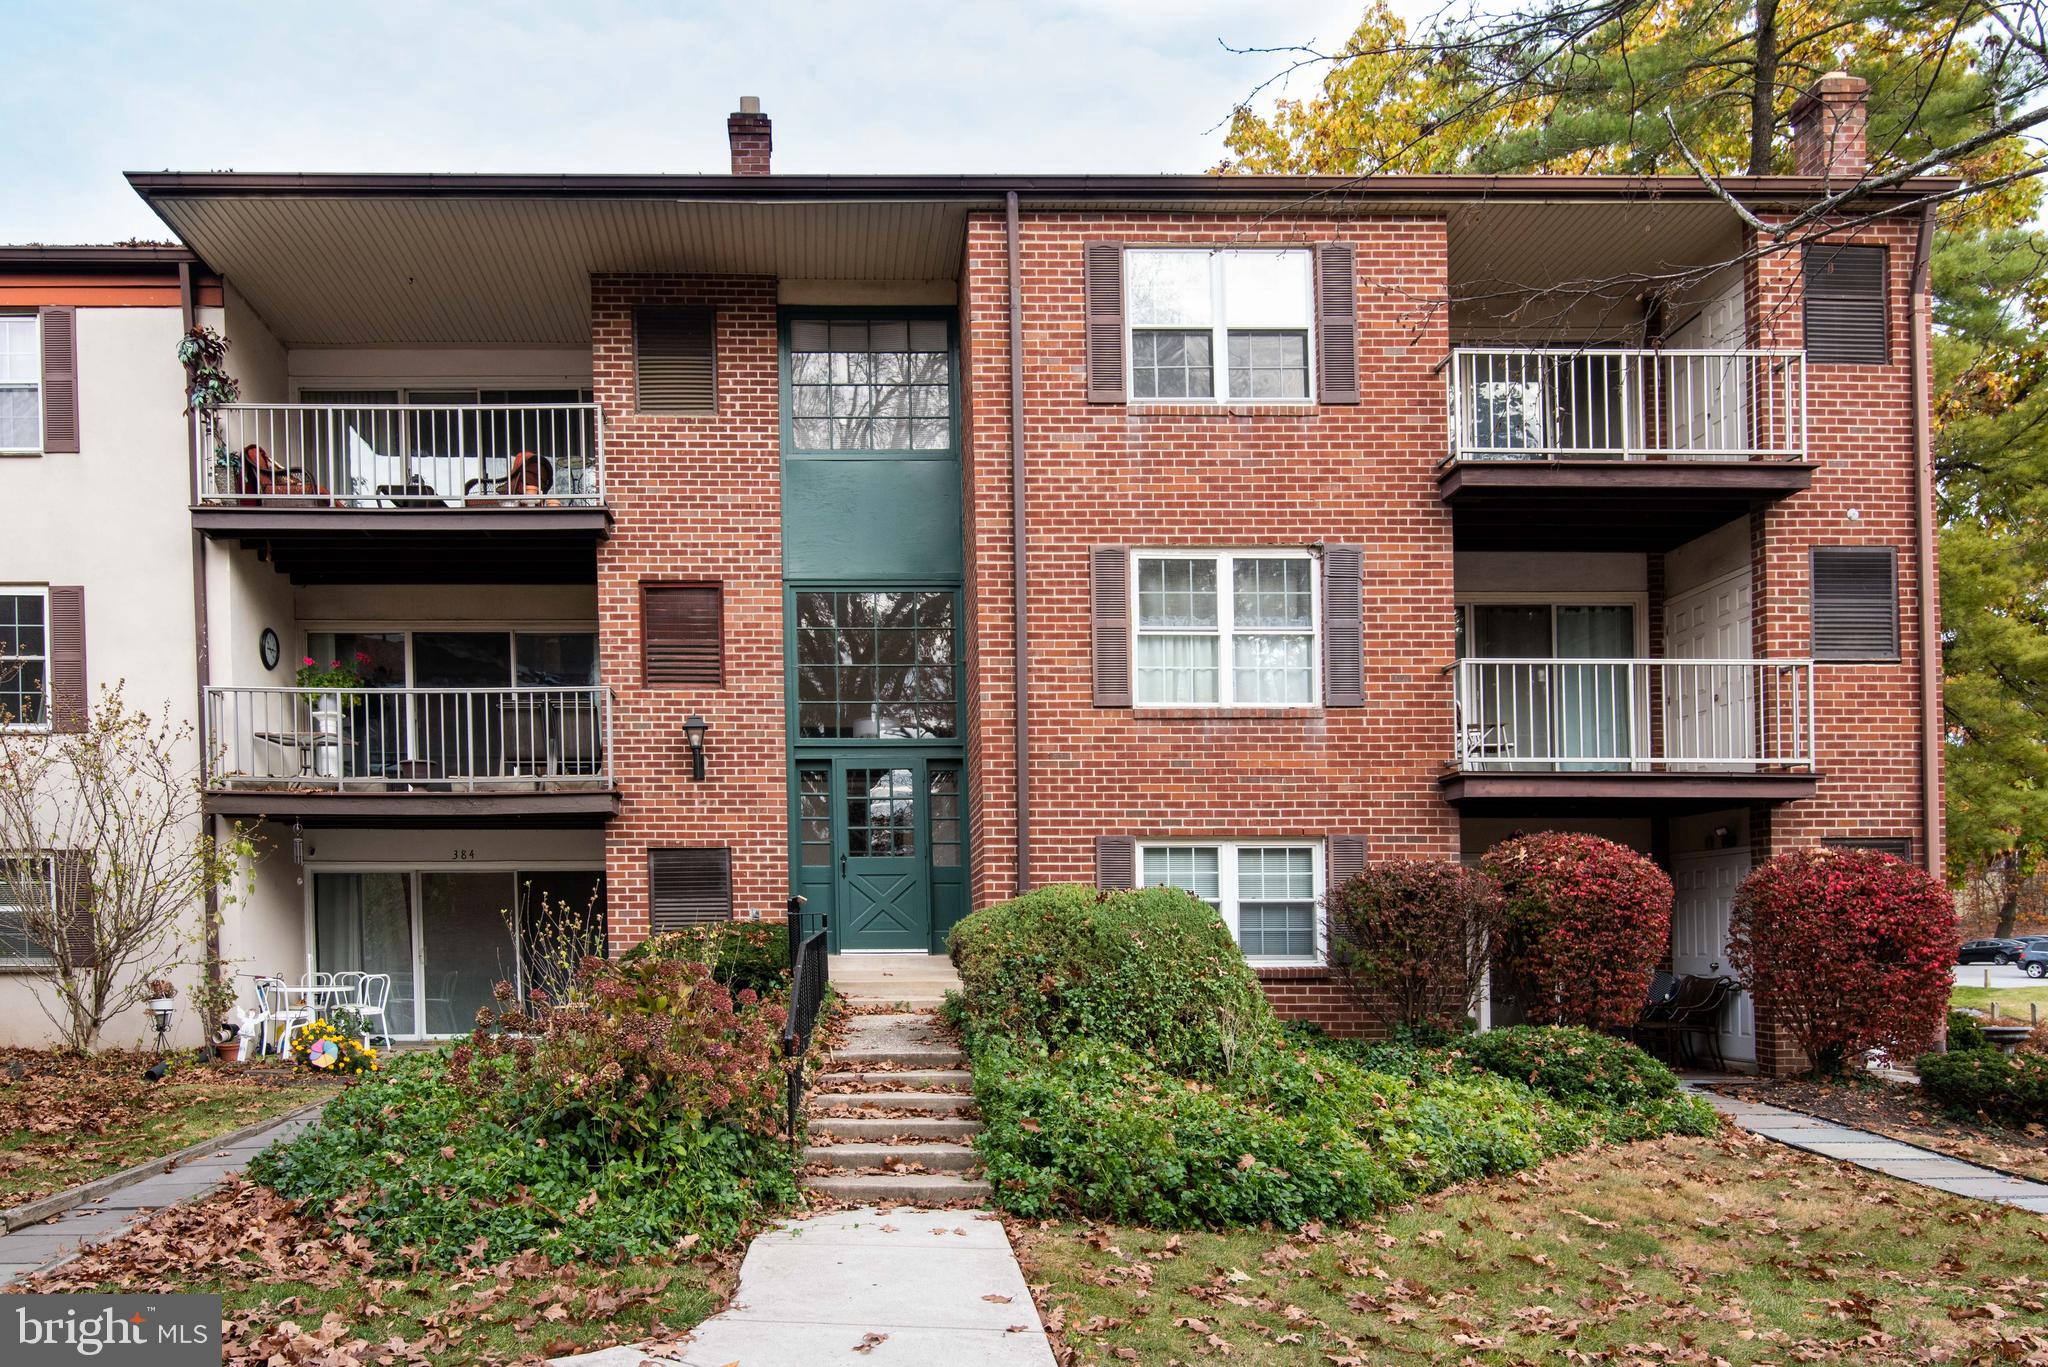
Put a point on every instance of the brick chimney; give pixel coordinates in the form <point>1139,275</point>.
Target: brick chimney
<point>753,137</point>
<point>1828,129</point>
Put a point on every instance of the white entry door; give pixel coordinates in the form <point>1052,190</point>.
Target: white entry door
<point>1710,710</point>
<point>1709,397</point>
<point>1706,884</point>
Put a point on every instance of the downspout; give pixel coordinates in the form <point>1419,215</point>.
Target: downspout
<point>1931,728</point>
<point>1019,543</point>
<point>189,316</point>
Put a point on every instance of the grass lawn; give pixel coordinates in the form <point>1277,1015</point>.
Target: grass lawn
<point>1682,1250</point>
<point>292,1294</point>
<point>2011,1001</point>
<point>66,1120</point>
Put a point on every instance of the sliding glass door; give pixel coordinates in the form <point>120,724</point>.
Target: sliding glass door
<point>362,923</point>
<point>1538,688</point>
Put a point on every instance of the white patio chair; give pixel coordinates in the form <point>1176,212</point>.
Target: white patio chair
<point>270,1008</point>
<point>374,994</point>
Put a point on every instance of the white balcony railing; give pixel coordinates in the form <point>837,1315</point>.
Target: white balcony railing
<point>306,455</point>
<point>410,739</point>
<point>1611,404</point>
<point>1664,716</point>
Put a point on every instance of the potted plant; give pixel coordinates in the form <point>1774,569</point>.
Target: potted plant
<point>213,997</point>
<point>209,387</point>
<point>161,994</point>
<point>330,688</point>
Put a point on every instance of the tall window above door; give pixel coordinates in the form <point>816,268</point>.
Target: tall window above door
<point>1218,325</point>
<point>878,665</point>
<point>870,384</point>
<point>1231,628</point>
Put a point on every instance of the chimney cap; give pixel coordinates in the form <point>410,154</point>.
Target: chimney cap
<point>750,104</point>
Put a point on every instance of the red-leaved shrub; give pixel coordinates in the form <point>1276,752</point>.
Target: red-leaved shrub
<point>1413,936</point>
<point>1848,949</point>
<point>1584,924</point>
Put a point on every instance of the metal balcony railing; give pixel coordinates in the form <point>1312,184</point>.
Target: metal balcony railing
<point>304,455</point>
<point>1660,716</point>
<point>409,739</point>
<point>1510,403</point>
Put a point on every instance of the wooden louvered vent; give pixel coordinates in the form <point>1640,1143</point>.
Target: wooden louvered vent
<point>674,361</point>
<point>691,887</point>
<point>682,636</point>
<point>1845,306</point>
<point>1855,603</point>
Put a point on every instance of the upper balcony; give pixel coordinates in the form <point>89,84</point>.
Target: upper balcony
<point>1599,732</point>
<point>1609,448</point>
<point>383,492</point>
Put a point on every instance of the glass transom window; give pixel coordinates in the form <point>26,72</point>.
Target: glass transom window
<point>21,383</point>
<point>24,656</point>
<point>870,384</point>
<point>1267,894</point>
<point>875,665</point>
<point>1225,629</point>
<point>1225,324</point>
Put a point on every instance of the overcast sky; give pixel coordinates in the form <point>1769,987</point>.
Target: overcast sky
<point>96,88</point>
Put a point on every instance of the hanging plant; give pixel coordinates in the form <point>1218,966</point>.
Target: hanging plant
<point>208,385</point>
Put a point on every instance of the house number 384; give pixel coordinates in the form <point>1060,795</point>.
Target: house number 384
<point>461,855</point>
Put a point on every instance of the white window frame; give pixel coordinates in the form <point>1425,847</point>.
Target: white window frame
<point>42,592</point>
<point>26,961</point>
<point>34,386</point>
<point>1226,884</point>
<point>1226,622</point>
<point>1219,328</point>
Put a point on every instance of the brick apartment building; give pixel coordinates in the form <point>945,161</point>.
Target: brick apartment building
<point>985,532</point>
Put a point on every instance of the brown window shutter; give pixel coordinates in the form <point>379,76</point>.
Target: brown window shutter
<point>69,702</point>
<point>1104,272</point>
<point>682,636</point>
<point>1116,862</point>
<point>689,887</point>
<point>1855,603</point>
<point>1845,315</point>
<point>1343,625</point>
<point>1336,323</point>
<point>74,895</point>
<point>675,365</point>
<point>60,379</point>
<point>1109,614</point>
<point>1346,861</point>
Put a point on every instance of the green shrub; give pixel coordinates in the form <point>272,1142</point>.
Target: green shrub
<point>1154,970</point>
<point>1446,1130</point>
<point>1577,1066</point>
<point>2010,1088</point>
<point>1965,1032</point>
<point>740,954</point>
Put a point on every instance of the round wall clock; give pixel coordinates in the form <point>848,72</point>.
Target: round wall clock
<point>271,649</point>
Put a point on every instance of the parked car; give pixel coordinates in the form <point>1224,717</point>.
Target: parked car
<point>1993,951</point>
<point>2034,960</point>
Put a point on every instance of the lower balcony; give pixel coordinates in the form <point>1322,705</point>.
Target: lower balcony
<point>361,756</point>
<point>1594,734</point>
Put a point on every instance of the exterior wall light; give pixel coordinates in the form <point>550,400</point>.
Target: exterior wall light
<point>694,728</point>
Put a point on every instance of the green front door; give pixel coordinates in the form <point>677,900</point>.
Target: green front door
<point>883,886</point>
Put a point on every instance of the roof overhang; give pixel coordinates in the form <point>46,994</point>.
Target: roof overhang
<point>1618,792</point>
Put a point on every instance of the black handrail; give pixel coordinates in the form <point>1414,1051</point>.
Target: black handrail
<point>809,971</point>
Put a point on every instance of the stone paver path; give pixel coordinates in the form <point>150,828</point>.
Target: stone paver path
<point>1907,1162</point>
<point>902,1286</point>
<point>35,1247</point>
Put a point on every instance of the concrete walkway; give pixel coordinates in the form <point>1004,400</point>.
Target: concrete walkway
<point>1907,1162</point>
<point>35,1247</point>
<point>884,1286</point>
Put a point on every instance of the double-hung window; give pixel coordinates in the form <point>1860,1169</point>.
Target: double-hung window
<point>1222,629</point>
<point>21,383</point>
<point>1217,325</point>
<point>17,947</point>
<point>1266,892</point>
<point>24,657</point>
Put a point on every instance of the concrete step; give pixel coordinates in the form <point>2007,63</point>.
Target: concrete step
<point>915,1188</point>
<point>907,1039</point>
<point>843,1130</point>
<point>945,1081</point>
<point>935,1157</point>
<point>923,1103</point>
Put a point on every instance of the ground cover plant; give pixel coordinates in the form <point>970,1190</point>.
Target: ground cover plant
<point>67,1118</point>
<point>1175,1099</point>
<point>641,1113</point>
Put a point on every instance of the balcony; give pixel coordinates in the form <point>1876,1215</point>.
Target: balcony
<point>391,493</point>
<point>360,756</point>
<point>1587,733</point>
<point>1617,449</point>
